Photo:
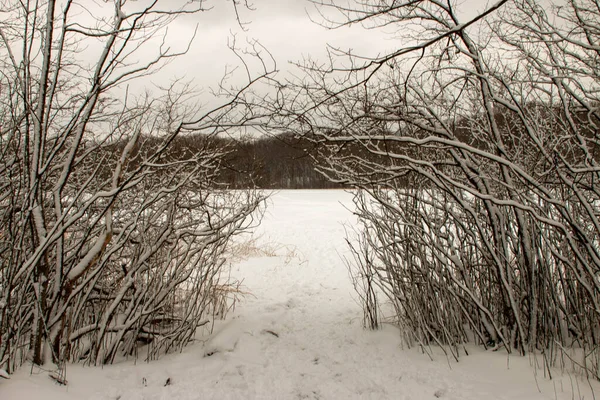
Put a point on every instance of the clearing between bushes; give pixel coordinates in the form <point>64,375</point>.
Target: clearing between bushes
<point>296,332</point>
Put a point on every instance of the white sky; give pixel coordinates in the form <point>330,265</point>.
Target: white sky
<point>282,26</point>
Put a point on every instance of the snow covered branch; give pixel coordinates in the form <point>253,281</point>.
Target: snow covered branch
<point>111,234</point>
<point>475,149</point>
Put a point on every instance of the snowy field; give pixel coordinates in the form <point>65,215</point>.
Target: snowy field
<point>297,334</point>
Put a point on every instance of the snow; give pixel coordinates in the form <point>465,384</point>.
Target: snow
<point>297,334</point>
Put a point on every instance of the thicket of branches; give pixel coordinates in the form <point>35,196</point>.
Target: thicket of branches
<point>108,239</point>
<point>480,203</point>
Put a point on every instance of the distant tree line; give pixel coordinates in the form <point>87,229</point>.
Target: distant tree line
<point>268,162</point>
<point>272,162</point>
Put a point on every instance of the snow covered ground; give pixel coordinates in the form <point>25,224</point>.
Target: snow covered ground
<point>298,334</point>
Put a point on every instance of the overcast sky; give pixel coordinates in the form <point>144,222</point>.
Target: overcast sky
<point>282,26</point>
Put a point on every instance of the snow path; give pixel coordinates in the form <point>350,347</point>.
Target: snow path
<point>298,334</point>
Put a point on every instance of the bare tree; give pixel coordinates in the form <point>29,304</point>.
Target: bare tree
<point>109,236</point>
<point>478,173</point>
